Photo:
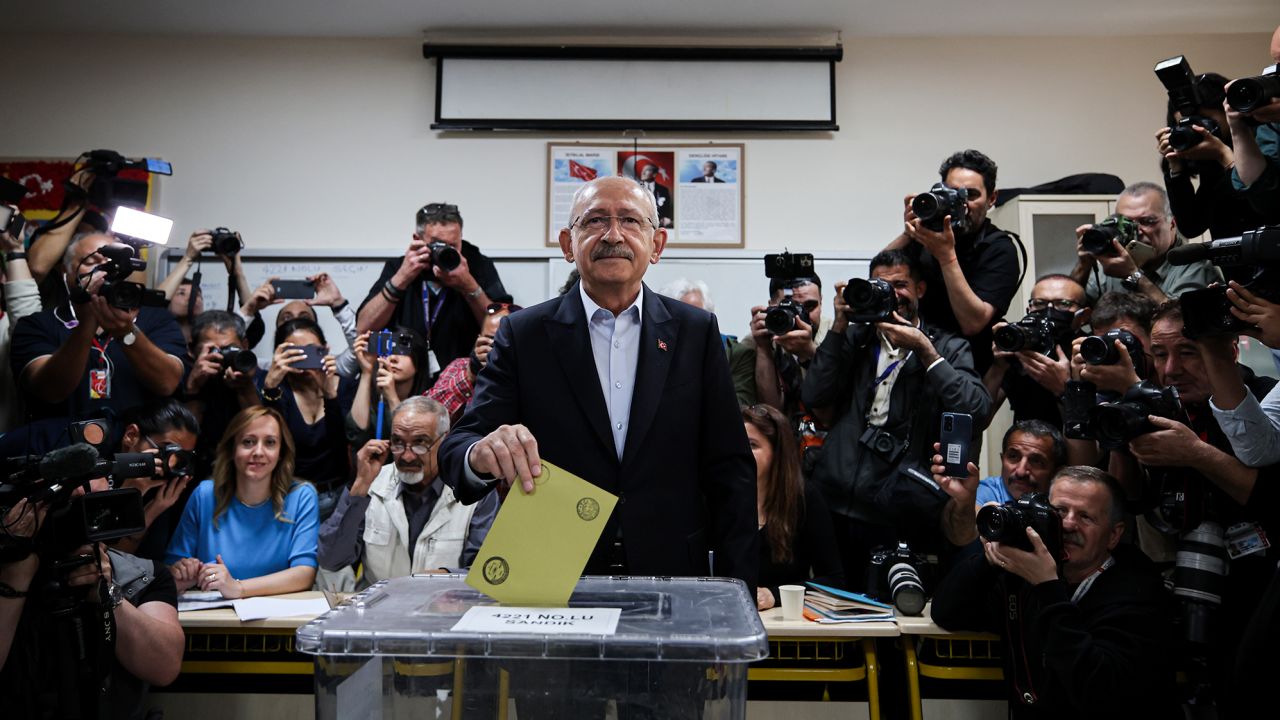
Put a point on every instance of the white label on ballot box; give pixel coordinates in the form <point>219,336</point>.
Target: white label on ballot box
<point>550,621</point>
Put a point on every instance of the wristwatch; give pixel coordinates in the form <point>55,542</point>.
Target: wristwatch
<point>130,337</point>
<point>115,595</point>
<point>1131,283</point>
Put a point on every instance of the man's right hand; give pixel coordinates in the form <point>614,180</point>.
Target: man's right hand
<point>1119,265</point>
<point>1116,378</point>
<point>200,241</point>
<point>509,453</point>
<point>207,366</point>
<point>763,338</point>
<point>416,260</point>
<point>965,489</point>
<point>369,461</point>
<point>841,320</point>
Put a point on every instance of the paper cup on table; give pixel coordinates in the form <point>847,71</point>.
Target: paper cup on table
<point>792,601</point>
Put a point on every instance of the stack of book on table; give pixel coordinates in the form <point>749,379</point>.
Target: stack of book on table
<point>828,605</point>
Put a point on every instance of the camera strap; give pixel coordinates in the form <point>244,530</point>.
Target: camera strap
<point>1088,582</point>
<point>431,313</point>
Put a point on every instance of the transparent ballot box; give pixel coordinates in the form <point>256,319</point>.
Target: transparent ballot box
<point>680,650</point>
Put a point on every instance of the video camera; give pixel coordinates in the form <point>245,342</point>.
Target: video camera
<point>870,301</point>
<point>1187,97</point>
<point>1208,311</point>
<point>1007,524</point>
<point>781,318</point>
<point>11,220</point>
<point>108,189</point>
<point>1248,94</point>
<point>91,517</point>
<point>119,292</point>
<point>934,206</point>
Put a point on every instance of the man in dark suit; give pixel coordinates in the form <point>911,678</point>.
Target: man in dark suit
<point>708,173</point>
<point>625,388</point>
<point>661,194</point>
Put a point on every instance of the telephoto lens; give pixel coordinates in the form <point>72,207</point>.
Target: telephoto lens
<point>907,589</point>
<point>1199,578</point>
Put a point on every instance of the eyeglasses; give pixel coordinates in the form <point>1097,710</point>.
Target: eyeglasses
<point>498,307</point>
<point>398,447</point>
<point>597,224</point>
<point>1059,304</point>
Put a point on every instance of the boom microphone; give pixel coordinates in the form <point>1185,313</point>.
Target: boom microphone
<point>73,461</point>
<point>1255,247</point>
<point>1187,254</point>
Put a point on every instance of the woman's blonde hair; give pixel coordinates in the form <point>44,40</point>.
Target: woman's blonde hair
<point>224,464</point>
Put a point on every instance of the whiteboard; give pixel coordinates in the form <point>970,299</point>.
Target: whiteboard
<point>735,277</point>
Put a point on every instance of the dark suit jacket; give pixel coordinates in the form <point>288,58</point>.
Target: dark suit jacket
<point>705,179</point>
<point>686,482</point>
<point>662,196</point>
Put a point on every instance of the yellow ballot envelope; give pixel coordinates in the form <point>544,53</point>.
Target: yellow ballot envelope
<point>539,543</point>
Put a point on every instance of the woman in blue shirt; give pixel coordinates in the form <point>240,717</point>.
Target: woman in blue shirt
<point>252,529</point>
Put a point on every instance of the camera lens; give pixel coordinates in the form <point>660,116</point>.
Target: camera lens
<point>1097,351</point>
<point>1097,240</point>
<point>445,257</point>
<point>999,523</point>
<point>907,589</point>
<point>780,319</point>
<point>859,294</point>
<point>926,206</point>
<point>1116,424</point>
<point>1010,338</point>
<point>1184,138</point>
<point>242,360</point>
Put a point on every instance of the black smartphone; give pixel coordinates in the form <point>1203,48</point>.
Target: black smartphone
<point>313,359</point>
<point>294,289</point>
<point>957,432</point>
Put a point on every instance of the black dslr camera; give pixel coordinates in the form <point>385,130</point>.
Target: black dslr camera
<point>1208,311</point>
<point>118,291</point>
<point>883,443</point>
<point>1097,238</point>
<point>1116,423</point>
<point>894,575</point>
<point>870,301</point>
<point>781,318</point>
<point>1187,96</point>
<point>1037,332</point>
<point>108,190</point>
<point>238,359</point>
<point>444,256</point>
<point>1248,94</point>
<point>1007,524</point>
<point>175,461</point>
<point>1101,349</point>
<point>225,242</point>
<point>934,206</point>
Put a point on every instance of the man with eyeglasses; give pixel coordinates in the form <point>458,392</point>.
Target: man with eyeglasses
<point>401,518</point>
<point>1032,381</point>
<point>446,306</point>
<point>626,389</point>
<point>971,270</point>
<point>149,429</point>
<point>1147,204</point>
<point>882,389</point>
<point>771,367</point>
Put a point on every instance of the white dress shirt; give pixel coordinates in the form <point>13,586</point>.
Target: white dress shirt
<point>615,344</point>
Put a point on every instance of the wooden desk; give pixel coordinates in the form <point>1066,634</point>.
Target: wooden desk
<point>254,656</point>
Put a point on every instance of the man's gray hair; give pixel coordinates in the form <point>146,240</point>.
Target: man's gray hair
<point>422,405</point>
<point>69,255</point>
<point>1088,474</point>
<point>677,289</point>
<point>653,202</point>
<point>1139,189</point>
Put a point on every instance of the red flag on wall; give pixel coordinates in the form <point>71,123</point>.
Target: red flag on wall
<point>580,171</point>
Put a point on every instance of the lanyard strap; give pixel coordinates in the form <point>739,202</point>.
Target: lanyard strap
<point>431,313</point>
<point>1088,582</point>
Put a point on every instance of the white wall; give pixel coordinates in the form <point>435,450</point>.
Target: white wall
<point>325,143</point>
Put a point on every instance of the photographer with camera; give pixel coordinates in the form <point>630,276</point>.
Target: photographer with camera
<point>440,288</point>
<point>882,388</point>
<point>784,338</point>
<point>457,382</point>
<point>1254,119</point>
<point>393,368</point>
<point>971,265</point>
<point>1131,248</point>
<point>399,518</point>
<point>91,354</point>
<point>179,288</point>
<point>223,379</point>
<point>82,633</point>
<point>1031,453</point>
<point>1196,143</point>
<point>327,295</point>
<point>1032,357</point>
<point>1085,620</point>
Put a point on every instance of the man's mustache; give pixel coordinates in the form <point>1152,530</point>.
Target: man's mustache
<point>610,250</point>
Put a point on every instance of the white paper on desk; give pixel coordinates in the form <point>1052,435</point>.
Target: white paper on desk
<point>266,607</point>
<point>542,621</point>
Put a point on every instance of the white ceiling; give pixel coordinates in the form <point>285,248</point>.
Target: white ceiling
<point>410,18</point>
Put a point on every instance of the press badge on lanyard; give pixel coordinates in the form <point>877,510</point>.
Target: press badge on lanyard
<point>100,378</point>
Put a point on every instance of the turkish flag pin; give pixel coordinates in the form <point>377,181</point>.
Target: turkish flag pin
<point>662,345</point>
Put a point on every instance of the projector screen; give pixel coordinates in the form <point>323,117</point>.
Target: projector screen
<point>577,93</point>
